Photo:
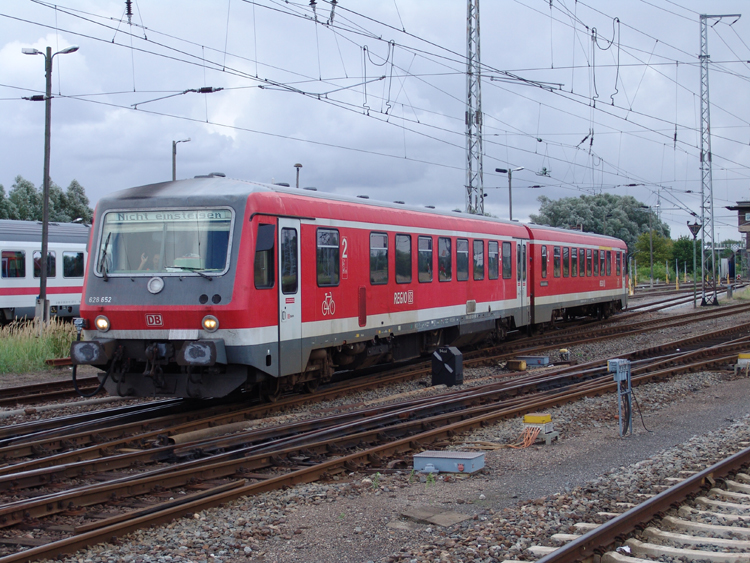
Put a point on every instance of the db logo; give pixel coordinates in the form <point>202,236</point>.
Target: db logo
<point>154,320</point>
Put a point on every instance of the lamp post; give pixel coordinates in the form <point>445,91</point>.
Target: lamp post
<point>509,172</point>
<point>695,228</point>
<point>298,166</point>
<point>48,56</point>
<point>174,156</point>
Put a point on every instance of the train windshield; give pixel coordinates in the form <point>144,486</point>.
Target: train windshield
<point>165,241</point>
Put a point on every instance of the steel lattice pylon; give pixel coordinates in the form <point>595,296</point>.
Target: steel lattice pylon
<point>474,167</point>
<point>708,259</point>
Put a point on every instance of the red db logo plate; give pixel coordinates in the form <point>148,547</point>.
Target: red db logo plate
<point>154,320</point>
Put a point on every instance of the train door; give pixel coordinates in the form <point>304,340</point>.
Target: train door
<point>522,281</point>
<point>290,307</point>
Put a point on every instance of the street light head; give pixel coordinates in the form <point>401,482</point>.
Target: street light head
<point>518,169</point>
<point>30,51</point>
<point>501,170</point>
<point>298,165</point>
<point>71,49</point>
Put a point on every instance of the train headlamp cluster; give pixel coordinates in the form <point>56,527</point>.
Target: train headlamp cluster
<point>102,323</point>
<point>210,323</point>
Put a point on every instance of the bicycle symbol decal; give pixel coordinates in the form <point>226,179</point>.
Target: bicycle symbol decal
<point>329,305</point>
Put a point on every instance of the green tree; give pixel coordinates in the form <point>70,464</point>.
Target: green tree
<point>623,217</point>
<point>58,205</point>
<point>7,209</point>
<point>682,249</point>
<point>26,199</point>
<point>25,202</point>
<point>662,249</point>
<point>78,203</point>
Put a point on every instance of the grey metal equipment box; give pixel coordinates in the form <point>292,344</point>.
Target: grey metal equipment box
<point>447,366</point>
<point>534,360</point>
<point>449,462</point>
<point>619,368</point>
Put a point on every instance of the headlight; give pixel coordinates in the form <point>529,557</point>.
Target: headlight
<point>210,323</point>
<point>102,323</point>
<point>155,285</point>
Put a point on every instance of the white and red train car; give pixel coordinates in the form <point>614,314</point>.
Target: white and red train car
<point>21,252</point>
<point>203,287</point>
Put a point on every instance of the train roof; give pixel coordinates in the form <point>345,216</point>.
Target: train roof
<point>569,235</point>
<point>31,231</point>
<point>191,191</point>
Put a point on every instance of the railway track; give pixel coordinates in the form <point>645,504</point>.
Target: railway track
<point>263,459</point>
<point>703,517</point>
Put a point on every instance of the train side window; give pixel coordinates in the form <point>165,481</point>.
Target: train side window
<point>478,259</point>
<point>51,263</point>
<point>289,270</point>
<point>588,262</point>
<point>445,265</point>
<point>424,259</point>
<point>327,257</point>
<point>403,258</point>
<point>544,260</point>
<point>264,253</point>
<point>507,261</point>
<point>72,264</point>
<point>596,262</point>
<point>574,262</point>
<point>518,262</point>
<point>582,261</point>
<point>618,264</point>
<point>609,262</point>
<point>602,266</point>
<point>556,261</point>
<point>493,269</point>
<point>378,258</point>
<point>462,259</point>
<point>14,263</point>
<point>566,261</point>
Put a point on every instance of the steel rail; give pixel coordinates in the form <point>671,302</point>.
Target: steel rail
<point>599,539</point>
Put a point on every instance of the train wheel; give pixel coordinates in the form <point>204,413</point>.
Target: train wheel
<point>311,386</point>
<point>272,390</point>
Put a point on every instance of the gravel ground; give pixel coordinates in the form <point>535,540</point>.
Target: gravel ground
<point>522,496</point>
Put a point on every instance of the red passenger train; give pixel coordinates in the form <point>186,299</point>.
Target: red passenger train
<point>205,287</point>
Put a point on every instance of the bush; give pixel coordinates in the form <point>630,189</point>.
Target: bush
<point>22,349</point>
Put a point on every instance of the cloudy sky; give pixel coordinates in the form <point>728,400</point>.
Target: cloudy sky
<point>588,96</point>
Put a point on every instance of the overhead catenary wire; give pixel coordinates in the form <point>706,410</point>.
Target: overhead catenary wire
<point>359,29</point>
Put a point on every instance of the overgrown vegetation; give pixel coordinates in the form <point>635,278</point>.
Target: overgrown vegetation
<point>23,349</point>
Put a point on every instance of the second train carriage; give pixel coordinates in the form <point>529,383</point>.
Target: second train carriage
<point>21,251</point>
<point>203,287</point>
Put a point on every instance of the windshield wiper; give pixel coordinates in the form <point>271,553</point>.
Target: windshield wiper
<point>103,260</point>
<point>198,271</point>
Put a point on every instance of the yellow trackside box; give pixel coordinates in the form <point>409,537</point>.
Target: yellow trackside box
<point>537,418</point>
<point>744,356</point>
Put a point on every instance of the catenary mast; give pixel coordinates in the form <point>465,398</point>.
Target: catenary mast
<point>474,172</point>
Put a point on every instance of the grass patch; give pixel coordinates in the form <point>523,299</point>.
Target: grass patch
<point>743,294</point>
<point>23,349</point>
